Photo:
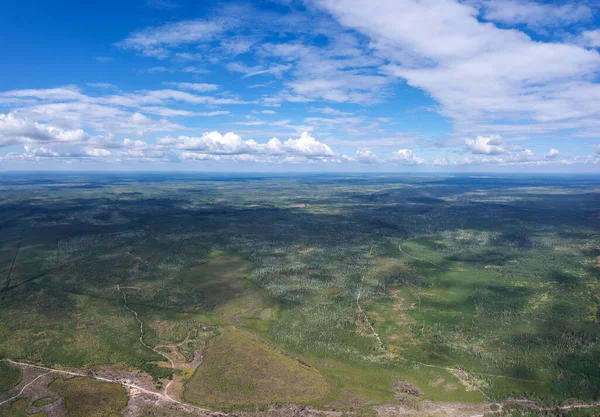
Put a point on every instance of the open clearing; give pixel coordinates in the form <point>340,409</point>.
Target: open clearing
<point>222,378</point>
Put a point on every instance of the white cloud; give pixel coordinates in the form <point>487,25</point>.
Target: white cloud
<point>268,112</point>
<point>168,112</point>
<point>97,152</point>
<point>478,72</point>
<point>307,145</point>
<point>14,129</point>
<point>236,46</point>
<point>535,15</point>
<point>199,156</point>
<point>332,112</point>
<point>157,41</point>
<point>214,143</point>
<point>523,159</point>
<point>102,85</point>
<point>276,70</point>
<point>486,145</point>
<point>406,156</point>
<point>552,154</point>
<point>35,151</point>
<point>66,93</point>
<point>590,38</point>
<point>198,87</point>
<point>366,156</point>
<point>69,108</point>
<point>342,71</point>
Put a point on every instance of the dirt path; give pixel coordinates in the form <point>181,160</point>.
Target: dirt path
<point>132,388</point>
<point>141,339</point>
<point>138,260</point>
<point>25,387</point>
<point>358,295</point>
<point>458,372</point>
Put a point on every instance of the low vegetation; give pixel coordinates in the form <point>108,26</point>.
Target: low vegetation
<point>86,397</point>
<point>239,369</point>
<point>10,376</point>
<point>341,292</point>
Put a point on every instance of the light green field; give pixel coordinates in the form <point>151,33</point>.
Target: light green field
<point>240,369</point>
<point>86,397</point>
<point>10,376</point>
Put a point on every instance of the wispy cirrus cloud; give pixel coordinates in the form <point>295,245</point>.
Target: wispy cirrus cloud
<point>198,87</point>
<point>157,41</point>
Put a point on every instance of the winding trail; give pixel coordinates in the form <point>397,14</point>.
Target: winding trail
<point>358,295</point>
<point>141,339</point>
<point>132,388</point>
<point>25,387</point>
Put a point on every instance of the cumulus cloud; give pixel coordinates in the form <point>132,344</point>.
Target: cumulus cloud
<point>366,156</point>
<point>214,143</point>
<point>14,130</point>
<point>406,156</point>
<point>64,151</point>
<point>552,153</point>
<point>307,145</point>
<point>486,145</point>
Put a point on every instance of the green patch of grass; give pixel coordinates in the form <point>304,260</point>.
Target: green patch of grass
<point>17,409</point>
<point>240,370</point>
<point>157,372</point>
<point>40,402</point>
<point>86,397</point>
<point>10,376</point>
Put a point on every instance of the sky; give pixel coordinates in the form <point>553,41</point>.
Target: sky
<point>300,85</point>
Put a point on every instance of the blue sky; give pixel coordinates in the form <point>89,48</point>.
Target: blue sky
<point>315,85</point>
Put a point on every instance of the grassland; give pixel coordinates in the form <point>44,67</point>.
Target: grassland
<point>10,376</point>
<point>86,397</point>
<point>339,292</point>
<point>238,368</point>
<point>18,409</point>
